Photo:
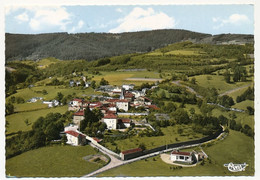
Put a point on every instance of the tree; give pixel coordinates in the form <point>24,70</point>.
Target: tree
<point>59,96</point>
<point>181,116</point>
<point>93,84</point>
<point>250,110</point>
<point>193,80</point>
<point>9,108</point>
<point>19,100</point>
<point>227,76</point>
<point>103,82</point>
<point>52,132</point>
<point>142,146</point>
<point>44,92</point>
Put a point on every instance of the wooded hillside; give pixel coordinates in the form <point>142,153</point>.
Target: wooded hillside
<point>90,46</point>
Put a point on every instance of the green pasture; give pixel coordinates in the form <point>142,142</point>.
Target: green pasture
<point>16,121</point>
<point>243,105</point>
<point>241,117</point>
<point>236,148</point>
<point>218,82</point>
<point>56,161</point>
<point>29,106</point>
<point>43,63</point>
<point>119,78</point>
<point>169,137</point>
<point>52,92</point>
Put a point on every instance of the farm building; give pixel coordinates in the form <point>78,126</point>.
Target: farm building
<point>75,138</point>
<point>132,153</point>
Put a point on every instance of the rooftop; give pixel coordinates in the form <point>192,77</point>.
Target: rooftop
<point>110,116</point>
<point>74,133</point>
<point>130,151</point>
<point>181,153</point>
<point>79,113</point>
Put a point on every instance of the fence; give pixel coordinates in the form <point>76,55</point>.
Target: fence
<point>186,144</point>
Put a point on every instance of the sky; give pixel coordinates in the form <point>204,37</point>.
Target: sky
<point>212,19</point>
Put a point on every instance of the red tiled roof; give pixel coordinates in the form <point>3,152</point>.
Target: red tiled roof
<point>110,116</point>
<point>181,153</point>
<point>74,133</point>
<point>125,120</point>
<point>79,100</point>
<point>129,95</point>
<point>122,100</point>
<point>112,100</point>
<point>96,139</point>
<point>147,98</point>
<point>154,107</point>
<point>79,113</point>
<point>130,151</point>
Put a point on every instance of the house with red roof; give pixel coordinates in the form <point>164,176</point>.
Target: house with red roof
<point>75,138</point>
<point>124,123</point>
<point>110,120</point>
<point>78,116</point>
<point>122,104</point>
<point>177,156</point>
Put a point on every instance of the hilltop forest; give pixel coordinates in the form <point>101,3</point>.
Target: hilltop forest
<point>91,46</point>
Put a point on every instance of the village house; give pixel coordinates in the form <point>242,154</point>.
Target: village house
<point>111,121</point>
<point>124,123</point>
<point>75,138</point>
<point>76,104</point>
<point>122,104</point>
<point>186,157</point>
<point>142,101</point>
<point>78,116</point>
<point>128,86</point>
<point>52,103</point>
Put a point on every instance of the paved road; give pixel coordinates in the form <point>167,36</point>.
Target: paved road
<point>114,162</point>
<point>187,87</point>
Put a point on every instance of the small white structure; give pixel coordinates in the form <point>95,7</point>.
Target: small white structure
<point>110,120</point>
<point>128,86</point>
<point>52,103</point>
<point>182,156</point>
<point>71,127</point>
<point>75,138</point>
<point>122,104</point>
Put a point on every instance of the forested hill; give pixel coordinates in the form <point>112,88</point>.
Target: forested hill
<point>92,46</point>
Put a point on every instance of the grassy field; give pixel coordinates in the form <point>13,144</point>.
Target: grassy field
<point>210,81</point>
<point>170,133</point>
<point>241,117</point>
<point>236,148</point>
<point>16,121</point>
<point>56,161</point>
<point>118,78</point>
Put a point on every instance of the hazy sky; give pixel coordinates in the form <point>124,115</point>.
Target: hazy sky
<point>212,19</point>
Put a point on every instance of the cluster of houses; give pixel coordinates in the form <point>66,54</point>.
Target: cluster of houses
<point>52,103</point>
<point>128,97</point>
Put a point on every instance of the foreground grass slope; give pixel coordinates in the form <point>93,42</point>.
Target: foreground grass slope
<point>236,148</point>
<point>56,161</point>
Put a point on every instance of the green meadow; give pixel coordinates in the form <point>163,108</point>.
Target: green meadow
<point>55,161</point>
<point>236,148</point>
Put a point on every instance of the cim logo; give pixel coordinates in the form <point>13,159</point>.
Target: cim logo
<point>236,167</point>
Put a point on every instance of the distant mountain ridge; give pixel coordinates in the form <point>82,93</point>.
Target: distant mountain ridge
<point>91,46</point>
